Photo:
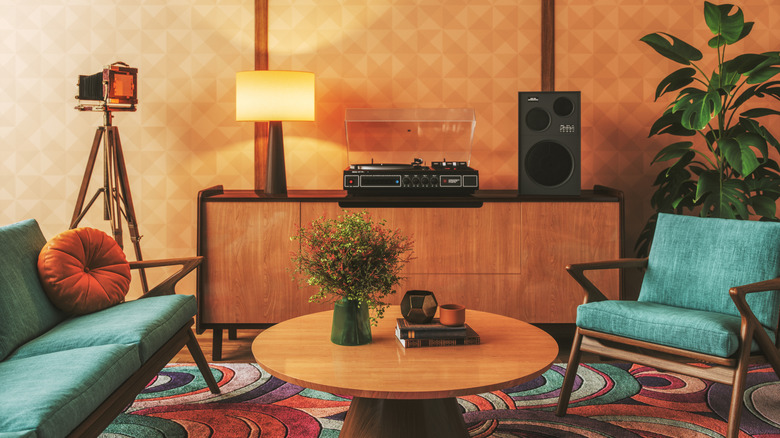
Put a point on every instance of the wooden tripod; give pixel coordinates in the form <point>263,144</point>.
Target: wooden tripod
<point>117,200</point>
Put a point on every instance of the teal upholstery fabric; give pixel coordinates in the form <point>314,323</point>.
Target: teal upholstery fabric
<point>694,261</point>
<point>147,323</point>
<point>694,330</point>
<point>684,301</point>
<point>25,310</point>
<point>51,394</point>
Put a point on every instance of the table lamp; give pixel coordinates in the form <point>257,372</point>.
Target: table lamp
<point>274,96</point>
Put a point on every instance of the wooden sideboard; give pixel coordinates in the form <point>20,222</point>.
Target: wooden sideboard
<point>493,251</point>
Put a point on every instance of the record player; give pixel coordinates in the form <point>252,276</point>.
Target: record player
<point>381,141</point>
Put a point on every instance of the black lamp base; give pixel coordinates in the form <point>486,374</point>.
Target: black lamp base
<point>275,175</point>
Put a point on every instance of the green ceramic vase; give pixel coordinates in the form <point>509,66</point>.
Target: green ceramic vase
<point>351,325</point>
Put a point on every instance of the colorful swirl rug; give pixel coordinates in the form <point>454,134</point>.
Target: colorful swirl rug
<point>609,400</point>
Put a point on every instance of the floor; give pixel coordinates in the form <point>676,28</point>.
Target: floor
<point>240,349</point>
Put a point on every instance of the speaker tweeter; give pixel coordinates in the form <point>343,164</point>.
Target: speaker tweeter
<point>549,143</point>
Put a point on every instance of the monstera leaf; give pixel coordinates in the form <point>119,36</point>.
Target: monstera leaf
<point>729,169</point>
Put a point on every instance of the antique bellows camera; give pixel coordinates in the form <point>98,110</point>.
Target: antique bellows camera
<point>115,88</point>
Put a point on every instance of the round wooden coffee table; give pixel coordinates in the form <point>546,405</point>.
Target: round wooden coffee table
<point>404,392</point>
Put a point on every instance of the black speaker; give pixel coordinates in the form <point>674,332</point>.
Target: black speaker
<point>548,143</point>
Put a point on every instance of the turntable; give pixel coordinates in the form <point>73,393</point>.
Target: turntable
<point>379,139</point>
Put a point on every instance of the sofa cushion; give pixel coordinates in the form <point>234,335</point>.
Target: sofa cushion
<point>84,270</point>
<point>694,261</point>
<point>25,311</point>
<point>146,322</point>
<point>51,394</point>
<point>694,330</point>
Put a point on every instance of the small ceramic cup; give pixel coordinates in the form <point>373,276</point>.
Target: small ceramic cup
<point>452,315</point>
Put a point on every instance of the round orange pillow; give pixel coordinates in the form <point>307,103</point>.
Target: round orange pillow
<point>83,270</point>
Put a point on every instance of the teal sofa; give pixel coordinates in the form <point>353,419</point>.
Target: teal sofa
<point>63,375</point>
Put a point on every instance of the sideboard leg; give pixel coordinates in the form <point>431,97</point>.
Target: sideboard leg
<point>232,334</point>
<point>216,352</point>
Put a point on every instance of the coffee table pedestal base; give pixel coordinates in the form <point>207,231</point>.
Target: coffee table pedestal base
<point>386,418</point>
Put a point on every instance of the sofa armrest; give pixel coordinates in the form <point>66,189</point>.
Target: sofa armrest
<point>167,286</point>
<point>592,293</point>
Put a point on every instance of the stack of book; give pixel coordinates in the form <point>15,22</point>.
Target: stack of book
<point>433,334</point>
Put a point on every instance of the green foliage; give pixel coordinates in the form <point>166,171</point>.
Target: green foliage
<point>732,175</point>
<point>351,257</point>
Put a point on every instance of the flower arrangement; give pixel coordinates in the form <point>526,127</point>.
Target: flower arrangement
<point>351,257</point>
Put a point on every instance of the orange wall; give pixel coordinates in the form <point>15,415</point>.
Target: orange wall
<point>184,136</point>
<point>478,54</point>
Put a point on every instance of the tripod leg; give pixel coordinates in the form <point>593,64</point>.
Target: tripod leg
<point>123,193</point>
<point>77,211</point>
<point>112,205</point>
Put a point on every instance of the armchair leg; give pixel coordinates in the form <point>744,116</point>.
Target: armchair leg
<point>737,392</point>
<point>200,360</point>
<point>571,373</point>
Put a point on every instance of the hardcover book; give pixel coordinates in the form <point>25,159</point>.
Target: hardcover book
<point>404,325</point>
<point>471,338</point>
<point>441,331</point>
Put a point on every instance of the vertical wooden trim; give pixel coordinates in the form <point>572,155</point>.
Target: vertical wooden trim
<point>261,63</point>
<point>548,45</point>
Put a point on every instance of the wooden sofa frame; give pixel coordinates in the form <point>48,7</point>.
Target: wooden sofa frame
<point>101,417</point>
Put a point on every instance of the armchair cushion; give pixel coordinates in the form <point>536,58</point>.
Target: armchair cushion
<point>84,270</point>
<point>693,263</point>
<point>694,330</point>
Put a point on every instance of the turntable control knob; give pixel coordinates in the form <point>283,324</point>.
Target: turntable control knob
<point>415,181</point>
<point>434,181</point>
<point>406,181</point>
<point>425,181</point>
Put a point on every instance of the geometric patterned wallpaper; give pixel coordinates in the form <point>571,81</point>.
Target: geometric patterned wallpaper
<point>475,54</point>
<point>182,138</point>
<point>364,53</point>
<point>478,54</point>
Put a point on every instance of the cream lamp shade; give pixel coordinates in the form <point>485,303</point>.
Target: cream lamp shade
<point>272,95</point>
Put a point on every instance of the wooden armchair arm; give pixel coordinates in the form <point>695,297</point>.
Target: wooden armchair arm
<point>750,325</point>
<point>167,286</point>
<point>592,293</point>
<point>761,286</point>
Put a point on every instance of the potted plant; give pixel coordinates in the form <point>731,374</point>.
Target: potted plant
<point>354,262</point>
<point>728,171</point>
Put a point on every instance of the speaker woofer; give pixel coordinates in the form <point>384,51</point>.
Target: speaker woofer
<point>549,164</point>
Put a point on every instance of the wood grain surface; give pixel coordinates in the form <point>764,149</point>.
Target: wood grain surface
<point>299,351</point>
<point>505,257</point>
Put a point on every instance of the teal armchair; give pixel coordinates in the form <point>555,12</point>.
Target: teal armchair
<point>709,294</point>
